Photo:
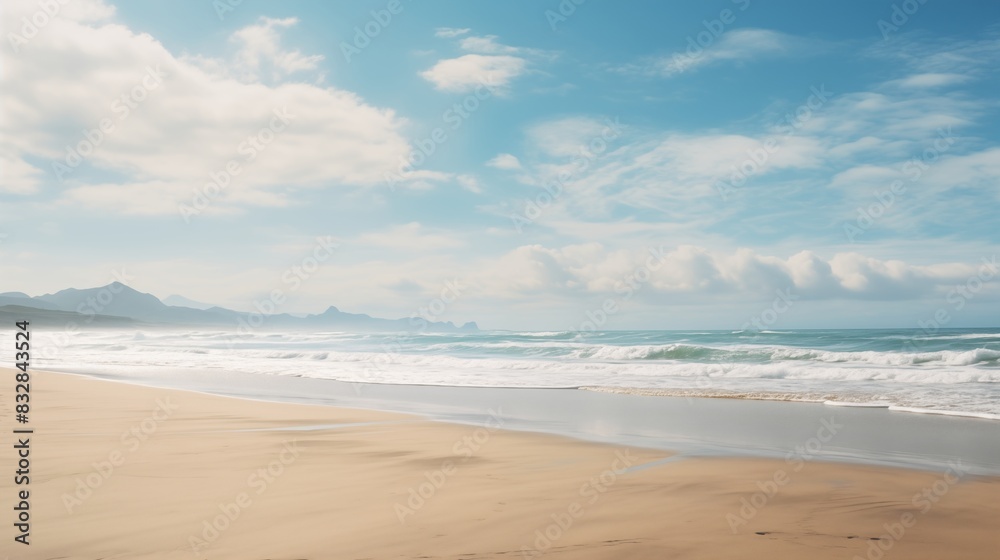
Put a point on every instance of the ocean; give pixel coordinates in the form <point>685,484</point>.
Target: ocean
<point>952,371</point>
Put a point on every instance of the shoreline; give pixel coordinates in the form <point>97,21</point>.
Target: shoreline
<point>126,470</point>
<point>873,436</point>
<point>784,397</point>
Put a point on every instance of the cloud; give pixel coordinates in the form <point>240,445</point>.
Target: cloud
<point>489,61</point>
<point>604,167</point>
<point>427,180</point>
<point>487,45</point>
<point>465,73</point>
<point>260,48</point>
<point>469,183</point>
<point>504,161</point>
<point>930,80</point>
<point>830,157</point>
<point>735,45</point>
<point>192,119</point>
<point>677,273</point>
<point>409,237</point>
<point>969,57</point>
<point>16,175</point>
<point>450,32</point>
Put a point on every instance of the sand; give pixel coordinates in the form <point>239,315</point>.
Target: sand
<point>122,471</point>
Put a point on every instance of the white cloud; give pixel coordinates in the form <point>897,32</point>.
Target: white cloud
<point>605,166</point>
<point>692,271</point>
<point>186,127</point>
<point>489,61</point>
<point>930,80</point>
<point>504,161</point>
<point>450,32</point>
<point>486,45</point>
<point>466,73</point>
<point>260,48</point>
<point>735,45</point>
<point>943,56</point>
<point>469,183</point>
<point>410,237</point>
<point>16,175</point>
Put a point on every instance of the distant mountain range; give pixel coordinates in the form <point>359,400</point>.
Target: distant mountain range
<point>117,305</point>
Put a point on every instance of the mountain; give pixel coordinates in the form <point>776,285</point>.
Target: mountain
<point>335,317</point>
<point>19,298</point>
<point>10,314</point>
<point>118,304</point>
<point>119,300</point>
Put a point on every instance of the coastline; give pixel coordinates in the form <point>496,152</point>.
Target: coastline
<point>690,426</point>
<point>291,481</point>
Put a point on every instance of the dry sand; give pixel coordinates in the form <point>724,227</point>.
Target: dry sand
<point>121,471</point>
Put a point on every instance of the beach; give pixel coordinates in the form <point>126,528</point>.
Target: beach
<point>126,471</point>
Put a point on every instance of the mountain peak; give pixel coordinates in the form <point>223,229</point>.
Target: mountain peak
<point>15,295</point>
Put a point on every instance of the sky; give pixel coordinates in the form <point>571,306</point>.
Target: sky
<point>535,165</point>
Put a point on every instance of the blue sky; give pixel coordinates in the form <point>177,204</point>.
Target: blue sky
<point>651,164</point>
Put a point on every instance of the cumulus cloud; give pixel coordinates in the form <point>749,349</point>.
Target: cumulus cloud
<point>467,72</point>
<point>693,271</point>
<point>175,122</point>
<point>260,48</point>
<point>488,61</point>
<point>504,161</point>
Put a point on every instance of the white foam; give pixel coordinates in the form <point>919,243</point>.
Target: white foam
<point>870,404</point>
<point>948,380</point>
<point>943,412</point>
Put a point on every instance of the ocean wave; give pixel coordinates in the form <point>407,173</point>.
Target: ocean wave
<point>984,356</point>
<point>961,373</point>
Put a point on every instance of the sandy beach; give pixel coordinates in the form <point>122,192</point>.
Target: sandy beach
<point>124,471</point>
